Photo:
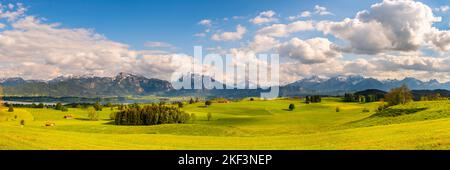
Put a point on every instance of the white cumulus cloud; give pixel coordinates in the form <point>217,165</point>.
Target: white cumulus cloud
<point>230,36</point>
<point>264,17</point>
<point>321,10</point>
<point>315,50</point>
<point>392,25</point>
<point>205,22</point>
<point>282,30</point>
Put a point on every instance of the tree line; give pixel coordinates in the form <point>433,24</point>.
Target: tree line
<point>313,99</point>
<point>350,97</point>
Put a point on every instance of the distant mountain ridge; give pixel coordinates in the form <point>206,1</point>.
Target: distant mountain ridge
<point>342,84</point>
<point>125,84</point>
<point>86,86</point>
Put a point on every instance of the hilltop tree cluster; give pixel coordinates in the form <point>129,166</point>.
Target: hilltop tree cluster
<point>151,115</point>
<point>349,97</point>
<point>432,97</point>
<point>192,101</point>
<point>400,95</point>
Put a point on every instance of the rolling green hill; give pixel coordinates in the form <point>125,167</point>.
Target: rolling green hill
<point>241,125</point>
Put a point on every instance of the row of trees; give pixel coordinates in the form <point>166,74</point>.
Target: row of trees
<point>313,99</point>
<point>192,101</point>
<point>432,97</point>
<point>399,95</point>
<point>349,97</point>
<point>33,105</point>
<point>151,115</point>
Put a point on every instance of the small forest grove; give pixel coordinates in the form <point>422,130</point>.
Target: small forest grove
<point>150,115</point>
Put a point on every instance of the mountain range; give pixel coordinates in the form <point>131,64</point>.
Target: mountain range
<point>128,84</point>
<point>341,84</point>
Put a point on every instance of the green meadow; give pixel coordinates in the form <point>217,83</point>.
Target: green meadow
<point>240,125</point>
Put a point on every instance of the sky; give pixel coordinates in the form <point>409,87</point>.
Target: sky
<point>390,39</point>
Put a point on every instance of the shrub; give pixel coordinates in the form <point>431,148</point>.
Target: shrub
<point>22,122</point>
<point>365,110</point>
<point>338,109</point>
<point>92,114</point>
<point>291,107</point>
<point>48,123</point>
<point>209,116</point>
<point>64,109</point>
<point>180,104</point>
<point>252,99</point>
<point>69,116</point>
<point>10,108</point>
<point>208,103</point>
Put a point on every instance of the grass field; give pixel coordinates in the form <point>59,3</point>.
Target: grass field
<point>241,125</point>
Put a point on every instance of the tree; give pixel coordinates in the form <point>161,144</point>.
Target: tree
<point>208,103</point>
<point>362,99</point>
<point>191,101</point>
<point>349,97</point>
<point>371,98</point>
<point>400,95</point>
<point>307,100</point>
<point>291,107</point>
<point>92,114</point>
<point>58,106</point>
<point>98,106</point>
<point>209,116</point>
<point>10,108</point>
<point>252,99</point>
<point>109,104</point>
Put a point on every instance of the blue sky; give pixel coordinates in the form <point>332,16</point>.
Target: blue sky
<point>174,21</point>
<point>135,22</point>
<point>411,38</point>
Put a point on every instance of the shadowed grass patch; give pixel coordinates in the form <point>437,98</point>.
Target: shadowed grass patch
<point>390,112</point>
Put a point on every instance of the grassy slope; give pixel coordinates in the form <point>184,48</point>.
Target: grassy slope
<point>240,125</point>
